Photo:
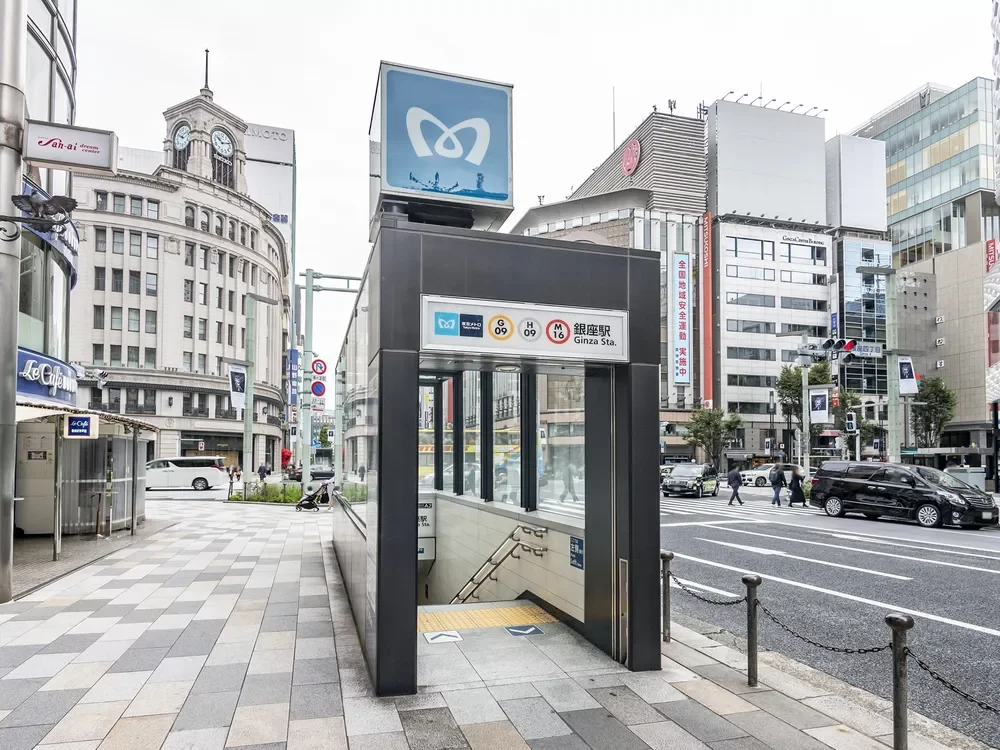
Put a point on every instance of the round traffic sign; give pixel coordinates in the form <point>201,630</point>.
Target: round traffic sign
<point>557,331</point>
<point>319,367</point>
<point>318,389</point>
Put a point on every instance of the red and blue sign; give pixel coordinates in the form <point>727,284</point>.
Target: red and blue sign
<point>318,389</point>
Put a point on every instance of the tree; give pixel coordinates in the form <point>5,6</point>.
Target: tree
<point>709,429</point>
<point>788,390</point>
<point>851,401</point>
<point>324,436</point>
<point>937,411</point>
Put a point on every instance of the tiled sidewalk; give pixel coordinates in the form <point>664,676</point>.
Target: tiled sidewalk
<point>232,629</point>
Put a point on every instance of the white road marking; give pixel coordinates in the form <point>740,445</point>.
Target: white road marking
<point>866,551</point>
<point>711,523</point>
<point>702,586</point>
<point>841,595</point>
<point>785,555</point>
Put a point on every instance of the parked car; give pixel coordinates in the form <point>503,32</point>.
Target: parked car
<point>448,476</point>
<point>691,479</point>
<point>761,475</point>
<point>196,472</point>
<point>919,493</point>
<point>316,472</point>
<point>665,471</point>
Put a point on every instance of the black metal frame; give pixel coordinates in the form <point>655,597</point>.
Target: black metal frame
<point>486,436</point>
<point>438,437</point>
<point>458,435</point>
<point>528,383</point>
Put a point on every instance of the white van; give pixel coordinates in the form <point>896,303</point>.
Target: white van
<point>189,472</point>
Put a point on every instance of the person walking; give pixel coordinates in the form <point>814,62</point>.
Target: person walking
<point>262,472</point>
<point>795,488</point>
<point>735,480</point>
<point>777,482</point>
<point>568,483</point>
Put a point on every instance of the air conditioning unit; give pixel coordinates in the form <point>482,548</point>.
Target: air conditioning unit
<point>939,319</point>
<point>940,363</point>
<point>939,342</point>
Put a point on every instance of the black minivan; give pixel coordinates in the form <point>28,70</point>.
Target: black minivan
<point>927,496</point>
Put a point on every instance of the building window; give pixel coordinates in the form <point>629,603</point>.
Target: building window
<point>151,284</point>
<point>742,247</point>
<point>188,327</point>
<point>206,221</point>
<point>135,206</point>
<point>218,332</point>
<point>133,282</point>
<point>97,357</point>
<point>135,244</point>
<point>201,363</point>
<point>253,275</point>
<point>752,381</point>
<point>203,294</point>
<point>752,300</point>
<point>119,204</point>
<point>801,277</point>
<point>803,254</point>
<point>748,272</point>
<point>218,365</point>
<point>150,362</point>
<point>232,230</point>
<point>232,266</point>
<point>188,290</point>
<point>243,304</point>
<point>133,361</point>
<point>116,359</point>
<point>232,301</point>
<point>748,352</point>
<point>816,331</point>
<point>118,242</point>
<point>153,209</point>
<point>117,280</point>
<point>800,303</point>
<point>202,329</point>
<point>116,318</point>
<point>189,216</point>
<point>102,200</point>
<point>189,254</point>
<point>150,321</point>
<point>243,338</point>
<point>218,297</point>
<point>749,326</point>
<point>747,407</point>
<point>229,333</point>
<point>243,270</point>
<point>152,246</point>
<point>253,239</point>
<point>218,225</point>
<point>243,236</point>
<point>133,319</point>
<point>204,258</point>
<point>99,278</point>
<point>98,317</point>
<point>789,355</point>
<point>220,265</point>
<point>187,362</point>
<point>100,239</point>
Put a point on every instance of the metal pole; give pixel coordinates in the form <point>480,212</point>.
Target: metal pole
<point>857,444</point>
<point>248,407</point>
<point>305,413</point>
<point>13,48</point>
<point>805,437</point>
<point>899,624</point>
<point>135,475</point>
<point>57,491</point>
<point>996,446</point>
<point>751,582</point>
<point>665,558</point>
<point>895,427</point>
<point>292,338</point>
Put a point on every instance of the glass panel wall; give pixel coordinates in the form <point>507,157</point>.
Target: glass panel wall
<point>507,437</point>
<point>31,321</point>
<point>425,436</point>
<point>561,443</point>
<point>472,418</point>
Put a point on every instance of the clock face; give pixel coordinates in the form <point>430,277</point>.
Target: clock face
<point>222,143</point>
<point>182,137</point>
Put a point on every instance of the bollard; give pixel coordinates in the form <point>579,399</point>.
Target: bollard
<point>751,582</point>
<point>899,624</point>
<point>665,558</point>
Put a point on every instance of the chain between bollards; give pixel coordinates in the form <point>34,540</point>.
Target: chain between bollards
<point>665,558</point>
<point>751,582</point>
<point>900,699</point>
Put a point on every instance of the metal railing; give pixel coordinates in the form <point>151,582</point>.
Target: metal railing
<point>898,623</point>
<point>507,548</point>
<point>225,413</point>
<point>194,411</point>
<point>140,408</point>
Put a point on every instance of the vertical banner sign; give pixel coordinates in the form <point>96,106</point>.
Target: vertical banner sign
<point>991,254</point>
<point>707,345</point>
<point>237,386</point>
<point>819,406</point>
<point>907,377</point>
<point>682,319</point>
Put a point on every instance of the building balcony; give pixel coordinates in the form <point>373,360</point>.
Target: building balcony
<point>140,408</point>
<point>195,411</point>
<point>272,420</point>
<point>225,413</point>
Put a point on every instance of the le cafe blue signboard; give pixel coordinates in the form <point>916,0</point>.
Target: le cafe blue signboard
<point>42,378</point>
<point>445,137</point>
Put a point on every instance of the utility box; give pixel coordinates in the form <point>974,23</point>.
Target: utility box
<point>974,475</point>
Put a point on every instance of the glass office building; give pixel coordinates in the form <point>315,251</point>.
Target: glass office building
<point>862,309</point>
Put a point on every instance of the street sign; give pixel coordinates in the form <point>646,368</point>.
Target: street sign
<point>201,445</point>
<point>319,367</point>
<point>318,389</point>
<point>81,427</point>
<point>319,405</point>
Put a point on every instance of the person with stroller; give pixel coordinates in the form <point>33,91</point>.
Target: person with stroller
<point>777,482</point>
<point>796,493</point>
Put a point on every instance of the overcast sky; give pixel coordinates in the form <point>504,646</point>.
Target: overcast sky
<point>311,65</point>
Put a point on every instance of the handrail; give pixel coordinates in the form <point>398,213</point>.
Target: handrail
<point>492,563</point>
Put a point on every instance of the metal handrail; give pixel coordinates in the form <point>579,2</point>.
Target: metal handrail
<point>507,547</point>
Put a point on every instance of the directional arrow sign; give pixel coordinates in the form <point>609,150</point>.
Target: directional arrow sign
<point>519,630</point>
<point>443,636</point>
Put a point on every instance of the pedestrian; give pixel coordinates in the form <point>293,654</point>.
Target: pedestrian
<point>361,472</point>
<point>262,471</point>
<point>777,482</point>
<point>471,484</point>
<point>735,480</point>
<point>796,495</point>
<point>568,483</point>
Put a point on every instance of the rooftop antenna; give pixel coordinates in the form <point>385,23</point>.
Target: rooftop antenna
<point>206,91</point>
<point>541,200</point>
<point>671,105</point>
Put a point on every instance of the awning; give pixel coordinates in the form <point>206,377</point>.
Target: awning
<point>27,410</point>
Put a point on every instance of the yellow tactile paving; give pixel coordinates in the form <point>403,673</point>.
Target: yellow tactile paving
<point>483,617</point>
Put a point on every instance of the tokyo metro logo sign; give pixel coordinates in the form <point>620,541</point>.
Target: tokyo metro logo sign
<point>447,145</point>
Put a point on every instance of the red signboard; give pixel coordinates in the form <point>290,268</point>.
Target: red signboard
<point>991,254</point>
<point>707,344</point>
<point>630,157</point>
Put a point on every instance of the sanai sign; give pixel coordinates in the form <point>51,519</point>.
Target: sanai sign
<point>70,147</point>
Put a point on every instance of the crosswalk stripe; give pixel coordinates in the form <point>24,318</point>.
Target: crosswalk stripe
<point>710,506</point>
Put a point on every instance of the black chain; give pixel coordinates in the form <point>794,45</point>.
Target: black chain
<point>835,649</point>
<point>956,690</point>
<point>706,599</point>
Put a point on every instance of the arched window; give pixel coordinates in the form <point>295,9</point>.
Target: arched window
<point>253,239</point>
<point>189,216</point>
<point>181,143</point>
<point>243,236</point>
<point>218,225</point>
<point>223,157</point>
<point>206,221</point>
<point>232,231</point>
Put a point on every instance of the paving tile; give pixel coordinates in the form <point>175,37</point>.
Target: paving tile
<point>314,648</point>
<point>139,660</point>
<point>14,692</point>
<point>15,656</point>
<point>141,615</point>
<point>46,707</point>
<point>420,700</point>
<point>790,711</point>
<point>746,743</point>
<point>704,724</point>
<point>473,706</point>
<point>732,680</point>
<point>598,728</point>
<point>138,733</point>
<point>104,651</point>
<point>199,713</point>
<point>718,699</point>
<point>627,707</point>
<point>315,614</point>
<point>197,739</point>
<point>40,665</point>
<point>315,671</point>
<point>220,678</point>
<point>271,662</point>
<point>315,600</point>
<point>313,630</point>
<point>157,638</point>
<point>369,715</point>
<point>121,686</point>
<point>70,644</point>
<point>75,676</point>
<point>496,734</point>
<point>260,689</point>
<point>665,735</point>
<point>279,609</point>
<point>843,737</point>
<point>22,738</point>
<point>125,632</point>
<point>278,623</point>
<point>316,701</point>
<point>776,733</point>
<point>652,687</point>
<point>573,657</point>
<point>178,669</point>
<point>432,729</point>
<point>385,741</point>
<point>685,655</point>
<point>566,742</point>
<point>588,681</point>
<point>565,695</point>
<point>87,721</point>
<point>512,662</point>
<point>159,698</point>
<point>534,718</point>
<point>851,714</point>
<point>183,608</point>
<point>230,653</point>
<point>317,734</point>
<point>198,638</point>
<point>257,725</point>
<point>790,686</point>
<point>517,690</point>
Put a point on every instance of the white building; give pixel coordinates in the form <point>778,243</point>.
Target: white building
<point>170,248</point>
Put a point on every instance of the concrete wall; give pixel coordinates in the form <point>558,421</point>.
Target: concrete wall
<point>469,530</point>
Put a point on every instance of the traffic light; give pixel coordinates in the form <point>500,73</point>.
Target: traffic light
<point>841,349</point>
<point>851,422</point>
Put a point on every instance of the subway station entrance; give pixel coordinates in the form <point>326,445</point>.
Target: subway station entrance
<point>497,416</point>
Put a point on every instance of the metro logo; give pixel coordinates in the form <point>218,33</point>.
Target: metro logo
<point>446,324</point>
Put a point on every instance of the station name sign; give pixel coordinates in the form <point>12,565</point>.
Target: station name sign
<point>514,329</point>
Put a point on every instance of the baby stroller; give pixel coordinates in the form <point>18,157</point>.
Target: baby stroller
<point>313,501</point>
